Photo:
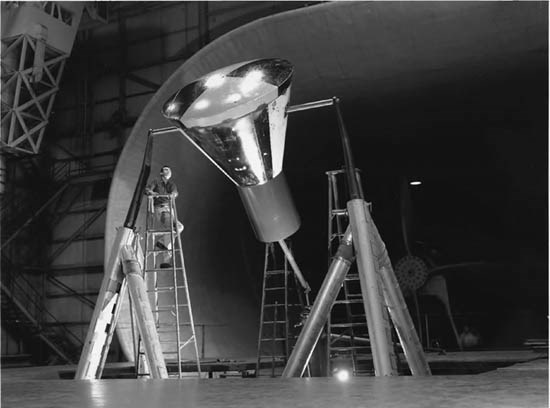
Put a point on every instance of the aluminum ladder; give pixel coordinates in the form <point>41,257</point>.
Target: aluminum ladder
<point>284,305</point>
<point>168,290</point>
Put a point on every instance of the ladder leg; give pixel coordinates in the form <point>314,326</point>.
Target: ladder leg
<point>287,317</point>
<point>176,238</point>
<point>274,334</point>
<point>168,285</point>
<point>258,361</point>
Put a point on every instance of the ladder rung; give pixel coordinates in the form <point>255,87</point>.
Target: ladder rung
<point>349,324</point>
<point>281,356</point>
<point>273,339</point>
<point>352,277</point>
<point>165,289</point>
<point>276,288</point>
<point>167,308</point>
<point>282,305</point>
<point>163,250</point>
<point>275,272</point>
<point>349,348</point>
<point>274,321</point>
<point>169,330</point>
<point>157,231</point>
<point>170,269</point>
<point>190,340</point>
<point>345,302</point>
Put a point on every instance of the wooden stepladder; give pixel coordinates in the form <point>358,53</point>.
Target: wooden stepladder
<point>168,291</point>
<point>283,307</point>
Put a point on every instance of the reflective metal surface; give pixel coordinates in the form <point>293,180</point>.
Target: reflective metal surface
<point>237,117</point>
<point>270,209</point>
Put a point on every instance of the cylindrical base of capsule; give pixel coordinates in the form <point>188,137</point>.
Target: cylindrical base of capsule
<point>270,209</point>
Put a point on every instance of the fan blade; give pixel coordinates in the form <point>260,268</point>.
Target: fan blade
<point>461,265</point>
<point>437,287</point>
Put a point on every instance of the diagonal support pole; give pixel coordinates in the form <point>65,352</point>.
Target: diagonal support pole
<point>385,362</point>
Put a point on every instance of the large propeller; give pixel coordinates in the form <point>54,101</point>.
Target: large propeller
<point>419,274</point>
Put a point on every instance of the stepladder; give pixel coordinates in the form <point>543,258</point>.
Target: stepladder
<point>168,290</point>
<point>386,312</point>
<point>284,306</point>
<point>348,345</point>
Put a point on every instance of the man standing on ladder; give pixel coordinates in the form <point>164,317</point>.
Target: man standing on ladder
<point>163,187</point>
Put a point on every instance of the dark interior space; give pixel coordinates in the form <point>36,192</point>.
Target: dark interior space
<point>478,142</point>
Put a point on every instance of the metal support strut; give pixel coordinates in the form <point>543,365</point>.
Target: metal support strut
<point>378,284</point>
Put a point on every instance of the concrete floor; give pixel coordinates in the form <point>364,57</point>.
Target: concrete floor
<point>520,385</point>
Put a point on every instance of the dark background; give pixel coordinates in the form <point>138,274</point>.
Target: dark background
<point>479,144</point>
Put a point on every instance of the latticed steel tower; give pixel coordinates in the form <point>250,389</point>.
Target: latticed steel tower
<point>37,38</point>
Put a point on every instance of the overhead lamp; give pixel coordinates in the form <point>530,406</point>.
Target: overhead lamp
<point>236,116</point>
<point>415,183</point>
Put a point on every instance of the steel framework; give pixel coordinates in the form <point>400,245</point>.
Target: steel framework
<point>28,91</point>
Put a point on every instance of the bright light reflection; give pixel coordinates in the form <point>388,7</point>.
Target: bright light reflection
<point>98,396</point>
<point>171,107</point>
<point>214,81</point>
<point>243,129</point>
<point>233,98</point>
<point>251,81</point>
<point>202,104</point>
<point>415,183</point>
<point>342,375</point>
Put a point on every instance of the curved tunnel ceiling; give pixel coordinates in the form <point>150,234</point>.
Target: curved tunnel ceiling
<point>397,67</point>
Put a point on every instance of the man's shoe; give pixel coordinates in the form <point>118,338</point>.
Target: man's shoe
<point>161,246</point>
<point>165,265</point>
